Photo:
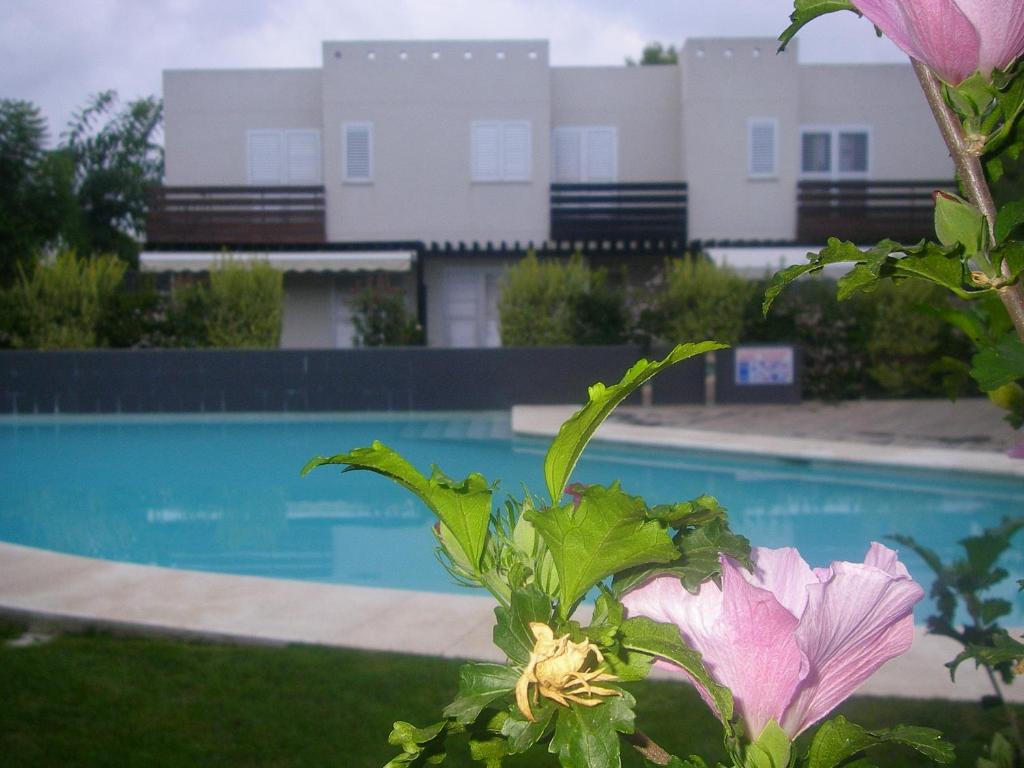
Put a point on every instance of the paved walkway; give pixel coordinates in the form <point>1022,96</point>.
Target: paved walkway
<point>48,587</point>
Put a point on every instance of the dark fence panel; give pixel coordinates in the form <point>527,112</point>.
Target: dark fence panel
<point>236,215</point>
<point>866,211</point>
<point>409,379</point>
<point>634,211</point>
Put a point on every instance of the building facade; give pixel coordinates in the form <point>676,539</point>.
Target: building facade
<point>435,164</point>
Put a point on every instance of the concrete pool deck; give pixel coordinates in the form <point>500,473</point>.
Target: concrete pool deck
<point>49,588</point>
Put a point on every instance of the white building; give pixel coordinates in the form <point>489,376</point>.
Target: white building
<point>412,157</point>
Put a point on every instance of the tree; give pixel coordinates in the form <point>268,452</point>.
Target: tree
<point>116,156</point>
<point>35,188</point>
<point>655,54</point>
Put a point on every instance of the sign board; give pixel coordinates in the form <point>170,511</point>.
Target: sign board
<point>756,366</point>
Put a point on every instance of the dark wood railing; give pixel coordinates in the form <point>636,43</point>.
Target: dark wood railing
<point>236,215</point>
<point>866,211</point>
<point>637,211</point>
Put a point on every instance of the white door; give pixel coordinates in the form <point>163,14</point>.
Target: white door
<point>470,306</point>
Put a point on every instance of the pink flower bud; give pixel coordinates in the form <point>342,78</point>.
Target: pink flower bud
<point>954,38</point>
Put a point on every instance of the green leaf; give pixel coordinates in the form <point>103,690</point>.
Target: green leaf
<point>1000,754</point>
<point>805,11</point>
<point>702,548</point>
<point>606,533</point>
<point>419,745</point>
<point>1004,650</point>
<point>587,737</point>
<point>1012,253</point>
<point>575,433</point>
<point>927,741</point>
<point>999,365</point>
<point>1010,217</point>
<point>838,740</point>
<point>521,733</point>
<point>771,750</point>
<point>698,511</point>
<point>606,619</point>
<point>836,252</point>
<point>958,221</point>
<point>489,751</point>
<point>465,508</point>
<point>512,631</point>
<point>480,683</point>
<point>664,642</point>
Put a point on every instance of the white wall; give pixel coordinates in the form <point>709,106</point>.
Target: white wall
<point>724,84</point>
<point>643,103</point>
<point>207,114</point>
<point>421,98</point>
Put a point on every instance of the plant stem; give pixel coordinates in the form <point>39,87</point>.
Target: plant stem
<point>972,177</point>
<point>643,744</point>
<point>1011,715</point>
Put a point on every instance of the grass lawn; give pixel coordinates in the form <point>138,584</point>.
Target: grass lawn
<point>98,700</point>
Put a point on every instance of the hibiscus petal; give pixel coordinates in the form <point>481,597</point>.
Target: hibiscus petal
<point>785,574</point>
<point>1000,25</point>
<point>854,623</point>
<point>935,32</point>
<point>744,634</point>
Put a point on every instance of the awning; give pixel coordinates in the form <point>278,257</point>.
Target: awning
<point>286,261</point>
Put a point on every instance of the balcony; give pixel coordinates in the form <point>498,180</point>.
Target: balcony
<point>866,211</point>
<point>226,216</point>
<point>619,212</point>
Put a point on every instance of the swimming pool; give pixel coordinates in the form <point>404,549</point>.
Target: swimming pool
<point>223,494</point>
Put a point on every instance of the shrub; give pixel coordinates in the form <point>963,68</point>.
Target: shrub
<point>535,306</point>
<point>134,317</point>
<point>59,305</point>
<point>599,315</point>
<point>696,300</point>
<point>381,319</point>
<point>242,305</point>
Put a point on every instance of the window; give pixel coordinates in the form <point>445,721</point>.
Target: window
<point>761,145</point>
<point>585,153</point>
<point>831,152</point>
<point>500,151</point>
<point>357,152</point>
<point>283,157</point>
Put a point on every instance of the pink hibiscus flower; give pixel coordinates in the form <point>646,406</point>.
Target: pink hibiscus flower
<point>790,642</point>
<point>955,38</point>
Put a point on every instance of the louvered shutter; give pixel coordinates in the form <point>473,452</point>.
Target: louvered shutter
<point>601,154</point>
<point>762,148</point>
<point>485,151</point>
<point>264,157</point>
<point>515,151</point>
<point>357,160</point>
<point>303,151</point>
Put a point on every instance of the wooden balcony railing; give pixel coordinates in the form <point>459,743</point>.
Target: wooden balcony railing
<point>866,211</point>
<point>236,215</point>
<point>636,211</point>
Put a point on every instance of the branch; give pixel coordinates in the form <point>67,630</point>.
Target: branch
<point>972,177</point>
<point>643,744</point>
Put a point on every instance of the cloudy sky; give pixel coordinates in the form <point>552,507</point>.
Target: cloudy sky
<point>57,52</point>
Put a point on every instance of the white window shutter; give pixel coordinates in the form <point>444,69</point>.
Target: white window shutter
<point>515,151</point>
<point>568,151</point>
<point>303,153</point>
<point>601,154</point>
<point>762,148</point>
<point>264,160</point>
<point>485,151</point>
<point>816,152</point>
<point>357,156</point>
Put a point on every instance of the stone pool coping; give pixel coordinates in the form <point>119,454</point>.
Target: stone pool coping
<point>68,591</point>
<point>544,420</point>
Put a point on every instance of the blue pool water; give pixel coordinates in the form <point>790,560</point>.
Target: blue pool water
<point>224,494</point>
